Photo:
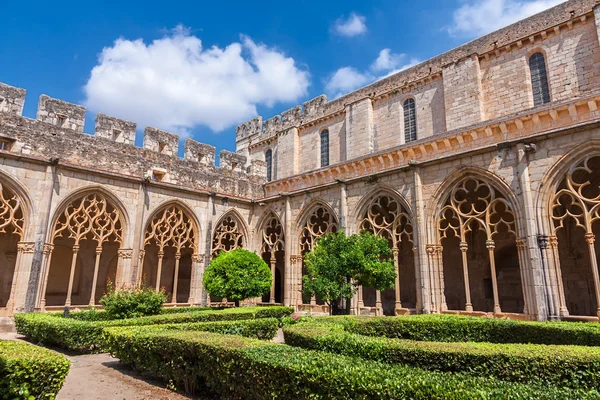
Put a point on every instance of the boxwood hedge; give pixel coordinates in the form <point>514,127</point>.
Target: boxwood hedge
<point>86,336</point>
<point>571,366</point>
<point>30,372</point>
<point>240,368</point>
<point>450,328</point>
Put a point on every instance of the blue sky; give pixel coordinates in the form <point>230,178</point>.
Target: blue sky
<point>200,68</point>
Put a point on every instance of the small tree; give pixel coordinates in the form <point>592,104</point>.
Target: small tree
<point>339,265</point>
<point>237,275</point>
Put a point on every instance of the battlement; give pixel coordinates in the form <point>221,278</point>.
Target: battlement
<point>58,132</point>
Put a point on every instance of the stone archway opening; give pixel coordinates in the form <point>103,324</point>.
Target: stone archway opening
<point>12,224</point>
<point>273,253</point>
<point>480,259</point>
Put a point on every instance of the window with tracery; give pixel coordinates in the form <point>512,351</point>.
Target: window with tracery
<point>319,223</point>
<point>11,213</point>
<point>228,236</point>
<point>324,148</point>
<point>171,228</point>
<point>269,162</point>
<point>272,236</point>
<point>386,218</point>
<point>539,79</point>
<point>410,120</point>
<point>91,217</point>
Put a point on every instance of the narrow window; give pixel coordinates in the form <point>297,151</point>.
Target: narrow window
<point>116,134</point>
<point>324,148</point>
<point>410,121</point>
<point>60,120</point>
<point>162,147</point>
<point>539,79</point>
<point>269,161</point>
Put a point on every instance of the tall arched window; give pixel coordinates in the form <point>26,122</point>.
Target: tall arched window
<point>269,161</point>
<point>539,79</point>
<point>324,148</point>
<point>410,121</point>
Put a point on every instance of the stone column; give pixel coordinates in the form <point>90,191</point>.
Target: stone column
<point>521,253</point>
<point>137,263</point>
<point>287,246</point>
<point>124,267</point>
<point>72,275</point>
<point>24,256</point>
<point>196,283</point>
<point>378,304</point>
<point>161,254</point>
<point>590,238</point>
<point>422,274</point>
<point>439,276</point>
<point>273,267</point>
<point>95,278</point>
<point>176,278</point>
<point>140,268</point>
<point>554,263</point>
<point>48,249</point>
<point>463,249</point>
<point>398,302</point>
<point>491,246</point>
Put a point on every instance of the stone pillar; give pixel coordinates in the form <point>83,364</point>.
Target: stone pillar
<point>521,245</point>
<point>463,249</point>
<point>95,278</point>
<point>422,272</point>
<point>124,272</point>
<point>210,221</point>
<point>72,275</point>
<point>176,278</point>
<point>137,266</point>
<point>398,302</point>
<point>590,239</point>
<point>554,264</point>
<point>161,254</point>
<point>287,246</point>
<point>48,249</point>
<point>25,252</point>
<point>196,283</point>
<point>491,246</point>
<point>537,281</point>
<point>273,264</point>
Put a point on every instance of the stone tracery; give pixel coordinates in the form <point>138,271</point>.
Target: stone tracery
<point>273,241</point>
<point>228,236</point>
<point>12,224</point>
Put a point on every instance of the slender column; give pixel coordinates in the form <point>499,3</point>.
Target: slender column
<point>463,248</point>
<point>16,259</point>
<point>562,303</point>
<point>288,265</point>
<point>521,243</point>
<point>398,303</point>
<point>176,277</point>
<point>124,274</point>
<point>48,249</point>
<point>140,269</point>
<point>439,276</point>
<point>432,271</point>
<point>95,279</point>
<point>378,306</point>
<point>196,285</point>
<point>273,266</point>
<point>360,304</point>
<point>590,238</point>
<point>72,275</point>
<point>491,246</point>
<point>161,254</point>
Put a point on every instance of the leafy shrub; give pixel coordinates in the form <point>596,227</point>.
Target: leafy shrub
<point>447,328</point>
<point>572,366</point>
<point>237,275</point>
<point>237,367</point>
<point>30,372</point>
<point>264,328</point>
<point>133,303</point>
<point>101,315</point>
<point>86,336</point>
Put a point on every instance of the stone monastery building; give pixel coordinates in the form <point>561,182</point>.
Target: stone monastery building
<point>480,166</point>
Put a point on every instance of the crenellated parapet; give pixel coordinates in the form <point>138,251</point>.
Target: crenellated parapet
<point>57,134</point>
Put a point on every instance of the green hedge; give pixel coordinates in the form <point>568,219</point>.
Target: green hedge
<point>101,315</point>
<point>262,328</point>
<point>30,372</point>
<point>237,367</point>
<point>571,366</point>
<point>447,328</point>
<point>86,336</point>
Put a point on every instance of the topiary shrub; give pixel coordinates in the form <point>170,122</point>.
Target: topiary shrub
<point>237,275</point>
<point>133,302</point>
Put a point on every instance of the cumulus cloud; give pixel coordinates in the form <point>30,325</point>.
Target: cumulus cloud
<point>352,26</point>
<point>478,17</point>
<point>346,79</point>
<point>174,83</point>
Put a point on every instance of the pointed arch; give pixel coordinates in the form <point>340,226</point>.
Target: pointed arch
<point>311,207</point>
<point>379,190</point>
<point>475,222</point>
<point>272,250</point>
<point>23,203</point>
<point>230,233</point>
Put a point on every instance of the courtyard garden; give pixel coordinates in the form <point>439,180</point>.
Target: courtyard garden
<point>238,352</point>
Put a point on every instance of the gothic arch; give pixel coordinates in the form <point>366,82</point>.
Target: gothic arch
<point>365,202</point>
<point>15,207</point>
<point>272,250</point>
<point>230,233</point>
<point>386,214</point>
<point>569,204</point>
<point>309,208</point>
<point>477,257</point>
<point>170,250</point>
<point>85,237</point>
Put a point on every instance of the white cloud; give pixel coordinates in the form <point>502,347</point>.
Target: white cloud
<point>346,79</point>
<point>478,17</point>
<point>352,26</point>
<point>175,84</point>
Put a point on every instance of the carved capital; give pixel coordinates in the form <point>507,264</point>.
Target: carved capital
<point>25,247</point>
<point>490,244</point>
<point>125,254</point>
<point>295,258</point>
<point>542,241</point>
<point>75,248</point>
<point>464,246</point>
<point>178,256</point>
<point>590,238</point>
<point>161,253</point>
<point>48,248</point>
<point>521,244</point>
<point>142,253</point>
<point>553,240</point>
<point>198,258</point>
<point>430,249</point>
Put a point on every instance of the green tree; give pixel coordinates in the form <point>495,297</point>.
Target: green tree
<point>237,275</point>
<point>339,264</point>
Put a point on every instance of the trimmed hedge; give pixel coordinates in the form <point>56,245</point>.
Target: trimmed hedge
<point>30,372</point>
<point>241,368</point>
<point>448,328</point>
<point>101,315</point>
<point>262,328</point>
<point>570,366</point>
<point>86,336</point>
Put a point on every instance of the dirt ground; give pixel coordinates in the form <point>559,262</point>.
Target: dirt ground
<point>101,377</point>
